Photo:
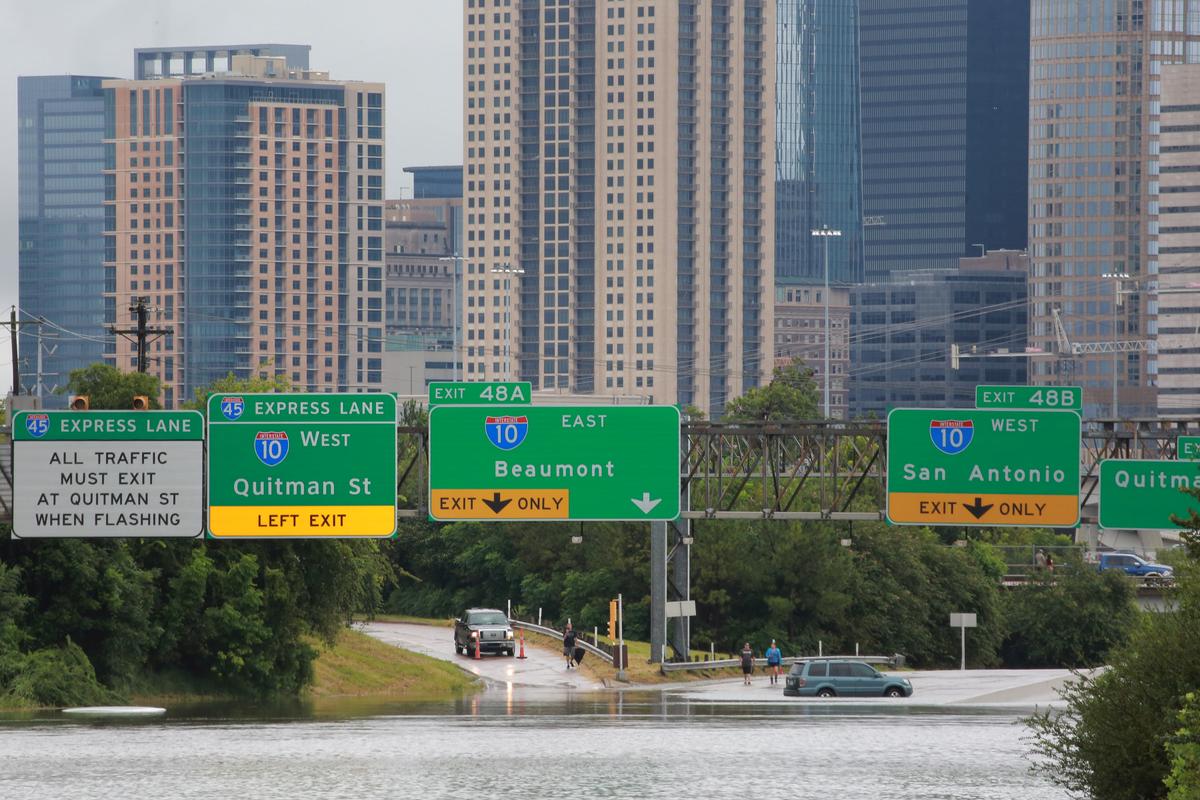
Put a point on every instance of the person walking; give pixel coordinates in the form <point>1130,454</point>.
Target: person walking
<point>774,662</point>
<point>569,645</point>
<point>747,663</point>
<point>1039,559</point>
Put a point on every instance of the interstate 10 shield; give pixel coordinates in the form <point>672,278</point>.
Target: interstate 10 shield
<point>271,447</point>
<point>951,436</point>
<point>506,432</point>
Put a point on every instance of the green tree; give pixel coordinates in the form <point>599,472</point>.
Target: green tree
<point>1183,749</point>
<point>231,384</point>
<point>109,388</point>
<point>1071,618</point>
<point>791,395</point>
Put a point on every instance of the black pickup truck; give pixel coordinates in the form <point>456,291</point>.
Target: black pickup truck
<point>489,626</point>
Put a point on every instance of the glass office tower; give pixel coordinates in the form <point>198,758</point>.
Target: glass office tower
<point>945,105</point>
<point>60,132</point>
<point>1094,166</point>
<point>818,175</point>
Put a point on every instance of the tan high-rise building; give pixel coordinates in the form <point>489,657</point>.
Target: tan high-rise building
<point>1177,337</point>
<point>1095,84</point>
<point>246,206</point>
<point>618,187</point>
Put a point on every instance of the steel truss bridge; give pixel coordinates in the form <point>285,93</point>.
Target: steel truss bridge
<point>816,470</point>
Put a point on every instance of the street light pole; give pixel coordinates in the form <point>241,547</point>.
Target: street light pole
<point>510,313</point>
<point>825,232</point>
<point>1117,278</point>
<point>454,312</point>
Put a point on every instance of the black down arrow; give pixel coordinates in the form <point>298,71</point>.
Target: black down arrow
<point>977,510</point>
<point>497,505</point>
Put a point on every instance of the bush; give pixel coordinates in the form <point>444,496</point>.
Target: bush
<point>56,677</point>
<point>1184,751</point>
<point>1072,620</point>
<point>1109,743</point>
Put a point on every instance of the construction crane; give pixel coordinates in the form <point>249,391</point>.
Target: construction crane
<point>1067,347</point>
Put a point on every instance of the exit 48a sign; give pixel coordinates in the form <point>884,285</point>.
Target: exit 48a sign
<point>542,462</point>
<point>983,467</point>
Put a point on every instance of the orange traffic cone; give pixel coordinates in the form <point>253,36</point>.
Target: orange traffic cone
<point>522,655</point>
<point>476,647</point>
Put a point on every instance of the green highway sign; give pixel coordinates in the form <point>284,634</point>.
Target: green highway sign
<point>536,463</point>
<point>1032,397</point>
<point>93,474</point>
<point>983,467</point>
<point>1188,448</point>
<point>479,394</point>
<point>301,465</point>
<point>1144,494</point>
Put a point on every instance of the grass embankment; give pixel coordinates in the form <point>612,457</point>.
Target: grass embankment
<point>360,666</point>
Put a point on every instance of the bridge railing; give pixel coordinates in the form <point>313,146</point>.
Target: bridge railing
<point>544,630</point>
<point>893,661</point>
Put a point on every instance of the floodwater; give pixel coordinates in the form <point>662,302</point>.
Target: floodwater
<point>515,743</point>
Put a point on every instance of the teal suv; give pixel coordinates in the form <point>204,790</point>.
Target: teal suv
<point>831,677</point>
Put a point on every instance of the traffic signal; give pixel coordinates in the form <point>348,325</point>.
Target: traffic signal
<point>612,620</point>
<point>80,402</point>
<point>141,402</point>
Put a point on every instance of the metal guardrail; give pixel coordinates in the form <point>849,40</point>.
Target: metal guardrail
<point>726,663</point>
<point>599,652</point>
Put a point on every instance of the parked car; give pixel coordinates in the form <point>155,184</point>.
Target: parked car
<point>1134,565</point>
<point>487,625</point>
<point>826,677</point>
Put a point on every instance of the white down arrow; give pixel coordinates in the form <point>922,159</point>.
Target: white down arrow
<point>645,503</point>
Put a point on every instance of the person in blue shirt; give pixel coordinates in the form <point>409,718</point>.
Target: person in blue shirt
<point>774,661</point>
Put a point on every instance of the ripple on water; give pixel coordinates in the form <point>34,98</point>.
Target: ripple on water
<point>630,749</point>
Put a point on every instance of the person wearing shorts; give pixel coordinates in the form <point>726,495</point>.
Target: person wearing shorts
<point>569,645</point>
<point>747,663</point>
<point>774,662</point>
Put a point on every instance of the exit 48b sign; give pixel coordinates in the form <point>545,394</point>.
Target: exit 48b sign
<point>983,467</point>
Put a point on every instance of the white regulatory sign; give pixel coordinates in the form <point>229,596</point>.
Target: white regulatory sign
<point>95,489</point>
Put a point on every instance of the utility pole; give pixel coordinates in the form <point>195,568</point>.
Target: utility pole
<point>142,332</point>
<point>825,232</point>
<point>16,366</point>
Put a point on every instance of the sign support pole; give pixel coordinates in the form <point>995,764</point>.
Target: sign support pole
<point>658,590</point>
<point>621,675</point>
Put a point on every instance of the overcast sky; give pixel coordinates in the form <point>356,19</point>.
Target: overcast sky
<point>414,46</point>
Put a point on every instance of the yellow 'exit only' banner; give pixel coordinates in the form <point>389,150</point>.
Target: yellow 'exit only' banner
<point>499,504</point>
<point>933,508</point>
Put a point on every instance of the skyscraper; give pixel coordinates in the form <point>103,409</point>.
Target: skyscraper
<point>945,101</point>
<point>818,171</point>
<point>265,254</point>
<point>1178,322</point>
<point>618,187</point>
<point>60,189</point>
<point>1094,192</point>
